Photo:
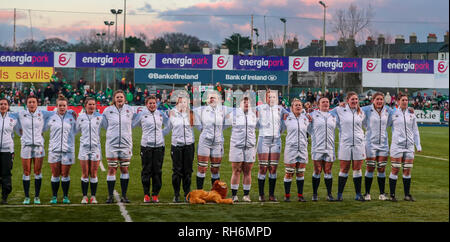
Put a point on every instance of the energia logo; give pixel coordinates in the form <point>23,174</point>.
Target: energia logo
<point>144,60</point>
<point>442,66</point>
<point>222,62</point>
<point>298,63</point>
<point>24,59</point>
<point>370,66</point>
<point>63,60</point>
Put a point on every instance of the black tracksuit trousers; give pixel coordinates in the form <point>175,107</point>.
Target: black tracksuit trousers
<point>6,165</point>
<point>182,160</point>
<point>152,161</point>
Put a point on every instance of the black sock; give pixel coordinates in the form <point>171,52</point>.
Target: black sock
<point>200,182</point>
<point>406,185</point>
<point>65,187</point>
<point>214,180</point>
<point>111,185</point>
<point>246,192</point>
<point>93,188</point>
<point>261,186</point>
<point>84,187</point>
<point>381,184</point>
<point>55,188</point>
<point>329,185</point>
<point>300,186</point>
<point>26,187</point>
<point>37,187</point>
<point>234,192</point>
<point>368,183</point>
<point>392,184</point>
<point>124,186</point>
<point>341,184</point>
<point>272,182</point>
<point>357,182</point>
<point>287,187</point>
<point>315,184</point>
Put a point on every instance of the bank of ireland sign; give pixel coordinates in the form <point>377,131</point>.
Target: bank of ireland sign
<point>371,65</point>
<point>222,62</point>
<point>65,59</point>
<point>298,63</point>
<point>144,60</point>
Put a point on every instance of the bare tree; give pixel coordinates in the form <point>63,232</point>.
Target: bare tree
<point>348,23</point>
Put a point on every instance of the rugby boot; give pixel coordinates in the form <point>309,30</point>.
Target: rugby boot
<point>262,198</point>
<point>235,199</point>
<point>392,198</point>
<point>124,199</point>
<point>409,198</point>
<point>146,199</point>
<point>315,198</point>
<point>37,201</point>
<point>26,201</point>
<point>330,198</point>
<point>359,197</point>
<point>154,199</point>
<point>367,197</point>
<point>382,197</point>
<point>66,200</point>
<point>84,200</point>
<point>110,199</point>
<point>176,199</point>
<point>54,200</point>
<point>301,199</point>
<point>93,200</point>
<point>272,198</point>
<point>339,197</point>
<point>246,198</point>
<point>287,197</point>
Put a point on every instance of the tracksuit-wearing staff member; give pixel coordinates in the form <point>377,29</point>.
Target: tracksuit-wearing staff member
<point>242,147</point>
<point>210,120</point>
<point>269,142</point>
<point>405,135</point>
<point>152,147</point>
<point>90,153</point>
<point>31,125</point>
<point>296,149</point>
<point>61,149</point>
<point>322,146</point>
<point>117,120</point>
<point>351,143</point>
<point>7,128</point>
<point>181,122</point>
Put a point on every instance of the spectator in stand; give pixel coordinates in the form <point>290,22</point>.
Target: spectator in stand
<point>139,92</point>
<point>164,95</point>
<point>123,85</point>
<point>130,97</point>
<point>108,92</point>
<point>302,96</point>
<point>131,87</point>
<point>49,93</point>
<point>387,99</point>
<point>138,101</point>
<point>81,83</point>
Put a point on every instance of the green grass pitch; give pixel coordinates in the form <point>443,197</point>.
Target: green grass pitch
<point>430,186</point>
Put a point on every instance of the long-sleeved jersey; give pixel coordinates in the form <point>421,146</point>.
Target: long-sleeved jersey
<point>62,132</point>
<point>89,126</point>
<point>152,131</point>
<point>296,138</point>
<point>376,127</point>
<point>117,122</point>
<point>405,133</point>
<point>31,126</point>
<point>322,131</point>
<point>269,120</point>
<point>7,127</point>
<point>212,122</point>
<point>182,131</point>
<point>350,125</point>
<point>243,128</point>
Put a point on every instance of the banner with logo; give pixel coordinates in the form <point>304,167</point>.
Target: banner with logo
<point>251,77</point>
<point>273,63</point>
<point>328,64</point>
<point>65,59</point>
<point>407,66</point>
<point>441,67</point>
<point>222,62</point>
<point>428,117</point>
<point>36,59</point>
<point>299,63</point>
<point>446,116</point>
<point>105,60</point>
<point>181,61</point>
<point>26,74</point>
<point>172,76</point>
<point>371,65</point>
<point>144,60</point>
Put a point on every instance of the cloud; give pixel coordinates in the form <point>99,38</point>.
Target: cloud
<point>8,16</point>
<point>146,8</point>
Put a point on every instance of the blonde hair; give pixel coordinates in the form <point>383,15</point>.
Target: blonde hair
<point>62,98</point>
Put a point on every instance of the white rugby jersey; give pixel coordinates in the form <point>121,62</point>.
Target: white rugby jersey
<point>62,132</point>
<point>405,133</point>
<point>7,127</point>
<point>89,126</point>
<point>117,122</point>
<point>269,120</point>
<point>376,127</point>
<point>322,131</point>
<point>243,128</point>
<point>296,128</point>
<point>151,123</point>
<point>182,131</point>
<point>350,125</point>
<point>212,122</point>
<point>31,126</point>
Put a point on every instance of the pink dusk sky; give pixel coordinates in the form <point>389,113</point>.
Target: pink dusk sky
<point>215,20</point>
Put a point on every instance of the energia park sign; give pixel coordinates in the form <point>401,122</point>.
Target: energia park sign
<point>227,69</point>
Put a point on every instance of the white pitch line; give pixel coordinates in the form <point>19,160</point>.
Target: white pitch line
<point>432,157</point>
<point>122,208</point>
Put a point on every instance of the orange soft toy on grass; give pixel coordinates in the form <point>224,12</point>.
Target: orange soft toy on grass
<point>217,195</point>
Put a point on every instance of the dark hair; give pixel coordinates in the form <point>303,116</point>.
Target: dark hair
<point>115,93</point>
<point>323,98</point>
<point>377,94</point>
<point>87,99</point>
<point>149,97</point>
<point>400,95</point>
<point>30,97</point>
<point>7,101</point>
